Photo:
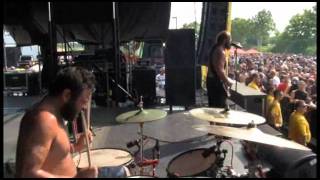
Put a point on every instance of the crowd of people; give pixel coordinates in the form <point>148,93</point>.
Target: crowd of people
<point>290,84</point>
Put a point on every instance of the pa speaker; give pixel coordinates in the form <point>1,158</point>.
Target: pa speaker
<point>180,67</point>
<point>144,84</point>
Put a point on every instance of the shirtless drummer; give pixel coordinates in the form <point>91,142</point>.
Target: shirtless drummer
<point>43,148</point>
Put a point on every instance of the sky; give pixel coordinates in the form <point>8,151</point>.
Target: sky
<point>281,11</point>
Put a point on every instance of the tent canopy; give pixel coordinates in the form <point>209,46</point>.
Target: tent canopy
<point>253,51</point>
<point>86,22</point>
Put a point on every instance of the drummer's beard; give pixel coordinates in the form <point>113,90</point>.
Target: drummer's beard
<point>69,111</point>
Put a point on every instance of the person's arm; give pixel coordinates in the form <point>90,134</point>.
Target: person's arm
<point>219,67</point>
<point>304,131</point>
<point>37,146</point>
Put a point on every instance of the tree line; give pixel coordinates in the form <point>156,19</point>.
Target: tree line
<point>260,32</point>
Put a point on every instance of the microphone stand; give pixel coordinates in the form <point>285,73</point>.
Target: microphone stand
<point>235,69</point>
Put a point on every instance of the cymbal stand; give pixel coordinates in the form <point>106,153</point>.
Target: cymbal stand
<point>235,73</point>
<point>140,105</point>
<point>253,164</point>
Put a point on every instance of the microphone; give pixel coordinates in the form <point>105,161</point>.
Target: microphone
<point>208,151</point>
<point>237,45</point>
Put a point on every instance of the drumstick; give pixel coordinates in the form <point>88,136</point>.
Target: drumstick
<point>86,136</point>
<point>89,112</point>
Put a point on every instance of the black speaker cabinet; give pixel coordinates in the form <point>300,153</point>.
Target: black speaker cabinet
<point>144,84</point>
<point>180,67</point>
<point>198,76</point>
<point>288,163</point>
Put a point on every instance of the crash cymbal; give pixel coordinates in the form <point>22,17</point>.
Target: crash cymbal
<point>138,116</point>
<point>250,134</point>
<point>218,115</point>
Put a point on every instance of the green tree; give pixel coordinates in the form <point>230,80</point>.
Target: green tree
<point>240,30</point>
<point>300,35</point>
<point>262,26</point>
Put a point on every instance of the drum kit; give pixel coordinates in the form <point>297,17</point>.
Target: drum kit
<point>196,162</point>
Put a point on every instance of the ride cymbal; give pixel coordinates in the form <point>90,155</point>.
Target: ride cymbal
<point>219,115</point>
<point>250,134</point>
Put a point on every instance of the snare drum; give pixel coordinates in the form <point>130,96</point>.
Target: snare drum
<point>190,164</point>
<point>109,161</point>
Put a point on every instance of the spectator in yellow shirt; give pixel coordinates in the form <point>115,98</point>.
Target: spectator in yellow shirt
<point>299,130</point>
<point>270,98</point>
<point>275,111</point>
<point>255,81</point>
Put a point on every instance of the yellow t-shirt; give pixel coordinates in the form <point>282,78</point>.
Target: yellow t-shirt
<point>269,101</point>
<point>254,85</point>
<point>275,114</point>
<point>298,127</point>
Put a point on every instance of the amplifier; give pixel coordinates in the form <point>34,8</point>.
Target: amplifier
<point>250,99</point>
<point>15,81</point>
<point>22,82</point>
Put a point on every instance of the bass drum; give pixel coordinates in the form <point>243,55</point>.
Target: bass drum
<point>190,164</point>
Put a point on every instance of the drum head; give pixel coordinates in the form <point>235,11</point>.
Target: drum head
<point>103,158</point>
<point>190,163</point>
<point>141,177</point>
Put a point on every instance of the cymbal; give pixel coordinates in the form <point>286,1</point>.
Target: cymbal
<point>139,116</point>
<point>250,134</point>
<point>231,117</point>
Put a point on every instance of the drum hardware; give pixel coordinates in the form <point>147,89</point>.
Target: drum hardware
<point>141,116</point>
<point>252,134</point>
<point>254,166</point>
<point>146,162</point>
<point>220,157</point>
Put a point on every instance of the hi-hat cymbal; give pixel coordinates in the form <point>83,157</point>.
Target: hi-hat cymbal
<point>250,134</point>
<point>138,116</point>
<point>231,117</point>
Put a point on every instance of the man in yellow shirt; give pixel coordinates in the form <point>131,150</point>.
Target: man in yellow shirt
<point>255,81</point>
<point>299,130</point>
<point>275,111</point>
<point>269,101</point>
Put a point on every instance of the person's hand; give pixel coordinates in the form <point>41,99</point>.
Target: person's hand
<point>91,172</point>
<point>230,82</point>
<point>81,144</point>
